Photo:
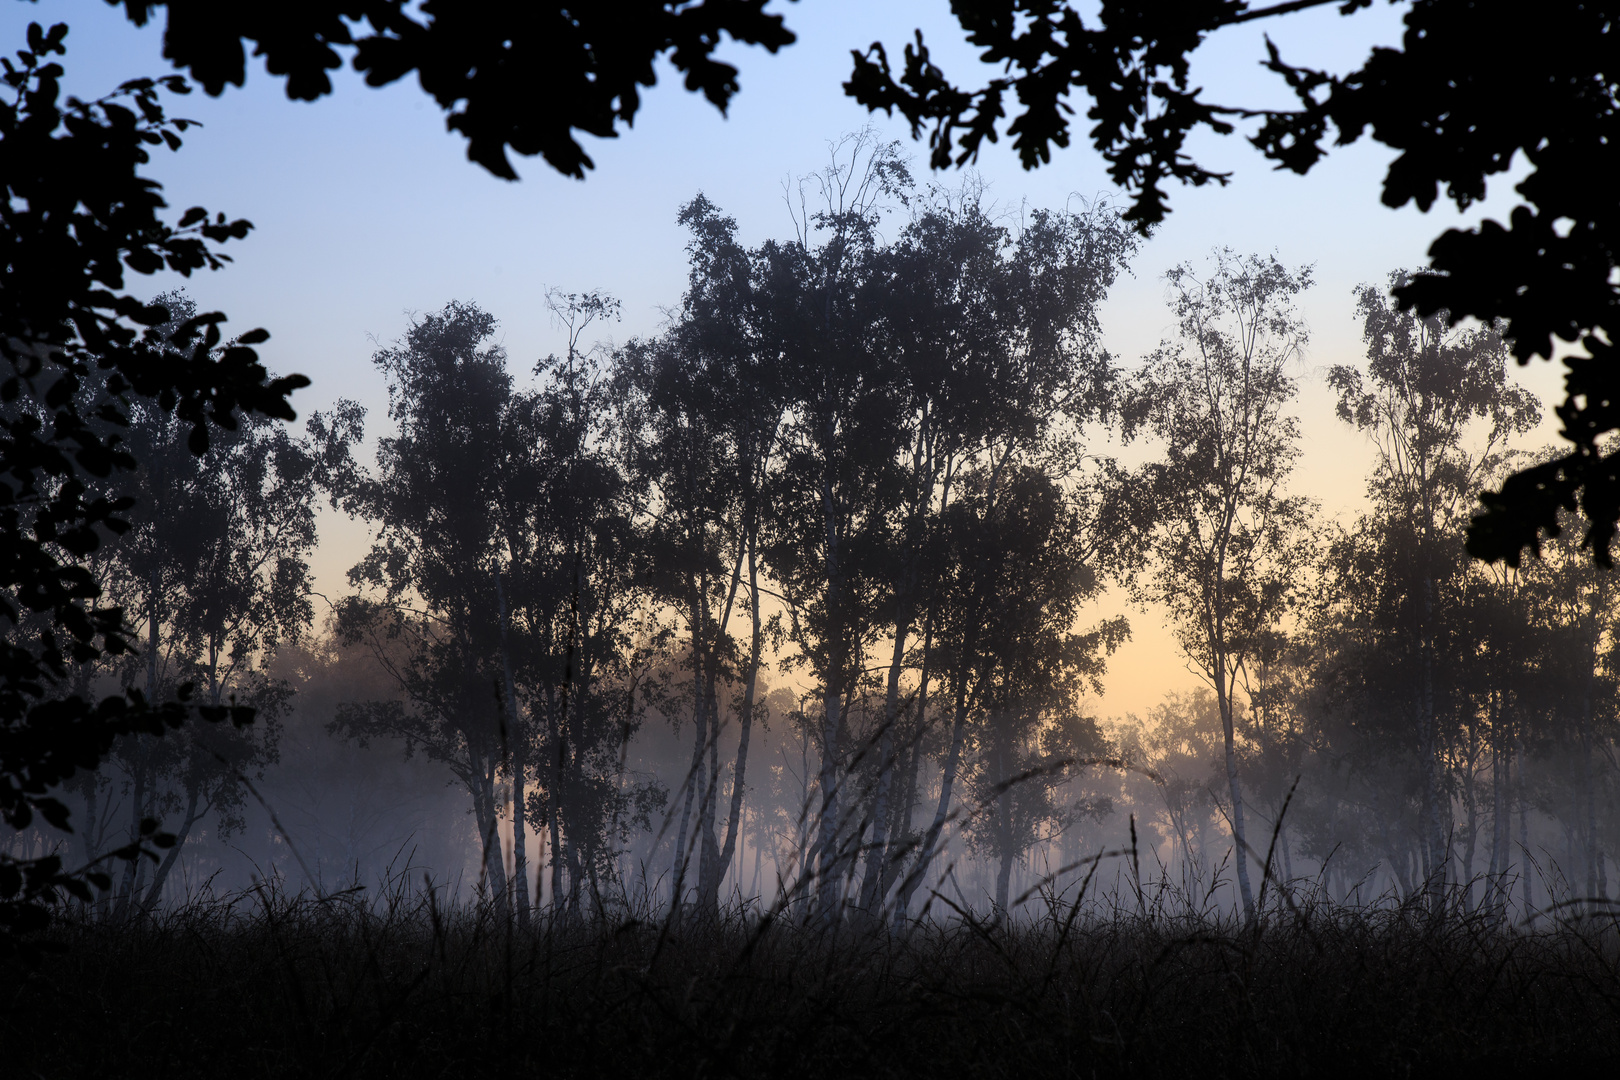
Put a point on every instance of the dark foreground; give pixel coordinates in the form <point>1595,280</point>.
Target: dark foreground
<point>292,987</point>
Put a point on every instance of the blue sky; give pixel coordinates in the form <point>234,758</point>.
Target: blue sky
<point>366,209</point>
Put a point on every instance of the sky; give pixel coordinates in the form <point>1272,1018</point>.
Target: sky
<point>366,211</point>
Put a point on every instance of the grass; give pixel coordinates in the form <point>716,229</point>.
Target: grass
<point>356,985</point>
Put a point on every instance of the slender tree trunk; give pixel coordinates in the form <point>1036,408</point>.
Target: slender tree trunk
<point>1287,856</point>
<point>759,855</point>
<point>1235,790</point>
<point>517,739</point>
<point>1501,828</point>
<point>129,882</point>
<point>520,837</point>
<point>710,870</point>
<point>138,883</point>
<point>901,838</point>
<point>487,813</point>
<point>745,725</point>
<point>1435,856</point>
<point>873,879</point>
<point>160,877</point>
<point>1471,806</point>
<point>1499,834</point>
<point>1524,835</point>
<point>827,889</point>
<point>827,820</point>
<point>1589,787</point>
<point>540,856</point>
<point>576,876</point>
<point>554,808</point>
<point>89,836</point>
<point>947,780</point>
<point>1003,884</point>
<point>900,829</point>
<point>564,846</point>
<point>694,780</point>
<point>1002,815</point>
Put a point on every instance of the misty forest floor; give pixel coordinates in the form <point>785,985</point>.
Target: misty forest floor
<point>275,986</point>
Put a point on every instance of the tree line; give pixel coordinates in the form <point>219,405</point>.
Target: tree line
<point>878,479</point>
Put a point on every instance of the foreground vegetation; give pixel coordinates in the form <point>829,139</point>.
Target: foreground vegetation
<point>269,984</point>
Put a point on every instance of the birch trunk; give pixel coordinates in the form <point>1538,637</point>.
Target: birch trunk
<point>1524,835</point>
<point>1003,883</point>
<point>1589,790</point>
<point>1435,856</point>
<point>1235,790</point>
<point>694,780</point>
<point>518,740</point>
<point>947,781</point>
<point>872,880</point>
<point>739,772</point>
<point>160,877</point>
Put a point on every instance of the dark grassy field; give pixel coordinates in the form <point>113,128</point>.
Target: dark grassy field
<point>264,985</point>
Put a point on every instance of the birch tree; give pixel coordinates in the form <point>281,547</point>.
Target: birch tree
<point>994,328</point>
<point>1027,667</point>
<point>703,408</point>
<point>834,496</point>
<point>214,569</point>
<point>430,571</point>
<point>1228,544</point>
<point>1436,403</point>
<point>570,514</point>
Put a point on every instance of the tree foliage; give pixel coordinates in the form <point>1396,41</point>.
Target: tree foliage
<point>509,78</point>
<point>1458,101</point>
<point>1228,544</point>
<point>79,354</point>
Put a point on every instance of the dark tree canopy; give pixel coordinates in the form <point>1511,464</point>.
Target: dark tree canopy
<point>1473,85</point>
<point>77,353</point>
<point>523,77</point>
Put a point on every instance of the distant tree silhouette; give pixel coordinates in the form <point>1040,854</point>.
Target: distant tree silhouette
<point>997,336</point>
<point>811,417</point>
<point>504,545</point>
<point>1025,564</point>
<point>1426,390</point>
<point>1459,101</point>
<point>433,501</point>
<point>703,409</point>
<point>214,568</point>
<point>572,522</point>
<point>1228,544</point>
<point>1573,611</point>
<point>1182,741</point>
<point>832,498</point>
<point>997,341</point>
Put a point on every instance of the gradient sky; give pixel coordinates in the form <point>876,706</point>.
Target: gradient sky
<point>366,210</point>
